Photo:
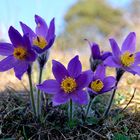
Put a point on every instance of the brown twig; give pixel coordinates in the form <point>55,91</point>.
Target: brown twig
<point>98,134</point>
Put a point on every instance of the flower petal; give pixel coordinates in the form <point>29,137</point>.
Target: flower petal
<point>109,83</point>
<point>28,30</point>
<point>74,67</point>
<point>7,63</point>
<point>60,98</point>
<point>112,62</point>
<point>49,86</point>
<point>20,68</point>
<point>31,56</point>
<point>135,70</point>
<point>84,79</point>
<point>80,97</point>
<point>129,43</point>
<point>15,37</point>
<point>59,71</point>
<point>95,51</point>
<point>41,28</point>
<point>51,30</point>
<point>100,72</point>
<point>137,58</point>
<point>105,55</point>
<point>115,48</point>
<point>6,49</point>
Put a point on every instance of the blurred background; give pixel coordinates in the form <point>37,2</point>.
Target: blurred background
<point>96,20</point>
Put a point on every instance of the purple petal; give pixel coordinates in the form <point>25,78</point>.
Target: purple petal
<point>28,30</point>
<point>135,70</point>
<point>6,49</point>
<point>84,79</point>
<point>137,58</point>
<point>51,30</point>
<point>31,56</point>
<point>49,86</point>
<point>105,55</point>
<point>112,62</point>
<point>79,97</point>
<point>74,67</point>
<point>115,48</point>
<point>109,83</point>
<point>100,72</point>
<point>15,37</point>
<point>7,63</point>
<point>41,28</point>
<point>129,43</point>
<point>26,41</point>
<point>20,68</point>
<point>91,92</point>
<point>60,98</point>
<point>95,51</point>
<point>59,71</point>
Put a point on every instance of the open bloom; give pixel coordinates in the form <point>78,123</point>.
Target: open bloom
<point>126,58</point>
<point>43,37</point>
<point>19,53</point>
<point>69,83</point>
<point>100,83</point>
<point>97,56</point>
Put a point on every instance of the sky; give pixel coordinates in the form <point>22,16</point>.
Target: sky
<point>13,11</point>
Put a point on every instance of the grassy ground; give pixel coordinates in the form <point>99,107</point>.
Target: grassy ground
<point>17,121</point>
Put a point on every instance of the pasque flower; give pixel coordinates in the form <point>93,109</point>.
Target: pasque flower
<point>101,83</point>
<point>19,53</point>
<point>43,37</point>
<point>126,58</point>
<point>69,83</point>
<point>97,56</point>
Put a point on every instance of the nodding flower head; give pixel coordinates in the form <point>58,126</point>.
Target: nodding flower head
<point>69,83</point>
<point>97,57</point>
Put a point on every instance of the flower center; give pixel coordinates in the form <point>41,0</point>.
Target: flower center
<point>40,42</point>
<point>20,53</point>
<point>97,85</point>
<point>127,59</point>
<point>68,84</point>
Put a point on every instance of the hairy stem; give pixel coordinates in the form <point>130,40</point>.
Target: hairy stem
<point>32,93</point>
<point>39,93</point>
<point>88,108</point>
<point>119,74</point>
<point>70,113</point>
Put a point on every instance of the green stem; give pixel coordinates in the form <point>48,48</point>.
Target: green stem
<point>88,108</point>
<point>31,93</point>
<point>38,93</point>
<point>70,114</point>
<point>110,102</point>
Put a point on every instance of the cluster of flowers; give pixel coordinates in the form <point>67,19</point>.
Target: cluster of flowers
<point>71,83</point>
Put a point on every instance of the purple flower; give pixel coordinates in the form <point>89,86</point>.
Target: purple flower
<point>69,83</point>
<point>100,83</point>
<point>97,56</point>
<point>19,53</point>
<point>126,58</point>
<point>43,37</point>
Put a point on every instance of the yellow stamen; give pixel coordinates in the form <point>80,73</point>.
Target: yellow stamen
<point>20,53</point>
<point>97,85</point>
<point>68,84</point>
<point>127,59</point>
<point>40,42</point>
